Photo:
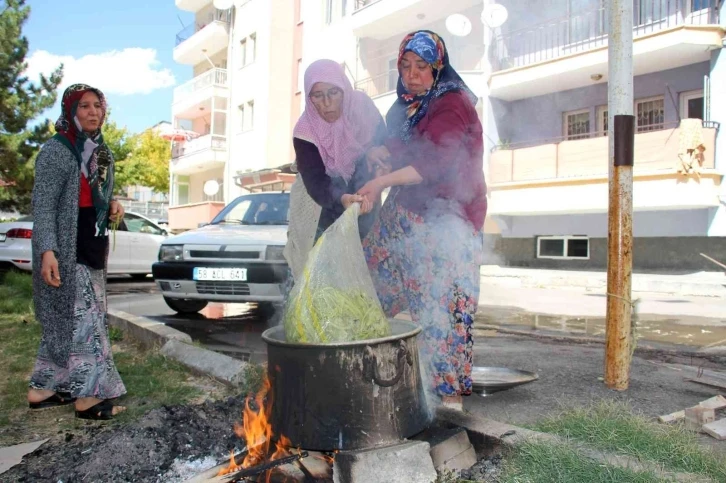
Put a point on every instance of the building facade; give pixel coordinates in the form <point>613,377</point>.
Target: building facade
<point>238,105</point>
<point>547,105</point>
<point>541,78</point>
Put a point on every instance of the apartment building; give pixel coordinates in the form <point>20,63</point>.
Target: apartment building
<point>237,107</point>
<point>547,104</point>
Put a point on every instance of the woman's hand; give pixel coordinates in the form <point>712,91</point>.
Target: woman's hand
<point>49,269</point>
<point>371,191</point>
<point>116,212</point>
<point>365,205</point>
<point>376,159</point>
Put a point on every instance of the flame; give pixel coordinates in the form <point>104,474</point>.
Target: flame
<point>256,431</point>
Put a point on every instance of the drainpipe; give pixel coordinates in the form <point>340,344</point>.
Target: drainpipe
<point>621,129</point>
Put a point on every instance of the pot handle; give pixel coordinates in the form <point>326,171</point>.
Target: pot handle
<point>371,365</point>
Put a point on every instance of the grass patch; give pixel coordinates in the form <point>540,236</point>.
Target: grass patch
<point>545,463</point>
<point>16,293</point>
<point>151,380</point>
<point>254,377</point>
<point>614,427</point>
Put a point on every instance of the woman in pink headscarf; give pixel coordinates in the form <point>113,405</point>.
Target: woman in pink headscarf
<point>331,140</point>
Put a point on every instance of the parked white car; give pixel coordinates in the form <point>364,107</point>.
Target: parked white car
<point>235,258</point>
<point>134,251</point>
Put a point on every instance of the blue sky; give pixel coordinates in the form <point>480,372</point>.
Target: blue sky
<point>123,47</point>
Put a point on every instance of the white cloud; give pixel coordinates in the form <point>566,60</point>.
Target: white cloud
<point>123,72</point>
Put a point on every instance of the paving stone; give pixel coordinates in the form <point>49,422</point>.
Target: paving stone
<point>408,462</point>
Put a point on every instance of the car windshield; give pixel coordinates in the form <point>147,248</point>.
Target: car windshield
<point>256,209</point>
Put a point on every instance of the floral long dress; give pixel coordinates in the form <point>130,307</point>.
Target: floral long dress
<point>431,269</point>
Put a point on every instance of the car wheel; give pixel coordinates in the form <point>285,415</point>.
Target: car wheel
<point>185,306</point>
<point>139,276</point>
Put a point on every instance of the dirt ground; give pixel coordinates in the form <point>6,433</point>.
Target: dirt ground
<point>145,449</point>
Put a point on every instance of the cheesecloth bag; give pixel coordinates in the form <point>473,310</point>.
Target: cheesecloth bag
<point>334,300</point>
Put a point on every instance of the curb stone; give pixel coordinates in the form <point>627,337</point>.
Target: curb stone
<point>514,436</point>
<point>178,346</point>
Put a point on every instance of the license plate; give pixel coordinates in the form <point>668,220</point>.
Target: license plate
<point>224,274</point>
<point>2,237</point>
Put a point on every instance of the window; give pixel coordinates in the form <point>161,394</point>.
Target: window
<point>300,76</point>
<point>180,195</point>
<point>602,120</point>
<point>300,11</point>
<point>136,224</point>
<point>328,11</point>
<point>692,104</point>
<point>393,74</point>
<point>243,52</point>
<point>650,114</point>
<point>241,109</point>
<point>248,116</point>
<point>563,247</point>
<point>577,124</point>
<point>253,48</point>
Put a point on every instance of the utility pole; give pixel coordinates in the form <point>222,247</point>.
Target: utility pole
<point>621,135</point>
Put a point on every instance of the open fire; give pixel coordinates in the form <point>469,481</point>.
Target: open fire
<point>256,430</point>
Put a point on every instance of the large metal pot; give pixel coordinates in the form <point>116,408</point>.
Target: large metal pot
<point>350,395</point>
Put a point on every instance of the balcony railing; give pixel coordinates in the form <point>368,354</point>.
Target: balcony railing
<point>218,16</point>
<point>656,148</point>
<point>384,79</point>
<point>217,77</point>
<point>185,148</point>
<point>360,4</point>
<point>588,30</point>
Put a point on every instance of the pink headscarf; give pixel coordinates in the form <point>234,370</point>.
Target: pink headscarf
<point>342,142</point>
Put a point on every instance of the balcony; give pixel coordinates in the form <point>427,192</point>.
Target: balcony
<point>198,92</point>
<point>381,19</point>
<point>563,53</point>
<point>191,5</point>
<point>200,38</point>
<point>197,155</point>
<point>189,217</point>
<point>571,176</point>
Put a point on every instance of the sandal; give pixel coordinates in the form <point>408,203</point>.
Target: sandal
<point>102,411</point>
<point>56,400</point>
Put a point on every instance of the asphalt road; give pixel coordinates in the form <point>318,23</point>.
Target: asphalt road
<point>236,329</point>
<point>232,329</point>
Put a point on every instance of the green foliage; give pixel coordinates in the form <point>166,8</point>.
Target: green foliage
<point>21,101</point>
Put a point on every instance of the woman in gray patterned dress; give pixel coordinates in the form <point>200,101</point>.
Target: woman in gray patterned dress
<point>72,210</point>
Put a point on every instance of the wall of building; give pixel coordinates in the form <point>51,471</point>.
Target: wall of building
<point>673,223</point>
<point>282,70</point>
<point>540,118</point>
<point>654,254</point>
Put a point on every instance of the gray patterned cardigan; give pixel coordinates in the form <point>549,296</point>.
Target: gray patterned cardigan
<point>55,219</point>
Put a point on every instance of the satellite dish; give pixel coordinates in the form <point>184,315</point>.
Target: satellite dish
<point>494,15</point>
<point>458,25</point>
<point>211,187</point>
<point>223,4</point>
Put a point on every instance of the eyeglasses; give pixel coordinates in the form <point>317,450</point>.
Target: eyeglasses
<point>319,96</point>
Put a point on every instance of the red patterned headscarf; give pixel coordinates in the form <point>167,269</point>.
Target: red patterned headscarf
<point>94,157</point>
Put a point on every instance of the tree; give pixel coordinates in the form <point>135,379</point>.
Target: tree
<point>151,158</point>
<point>21,101</point>
<point>122,144</point>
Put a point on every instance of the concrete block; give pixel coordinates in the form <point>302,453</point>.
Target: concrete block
<point>697,416</point>
<point>452,450</point>
<point>148,332</point>
<point>408,462</point>
<point>716,429</point>
<point>223,368</point>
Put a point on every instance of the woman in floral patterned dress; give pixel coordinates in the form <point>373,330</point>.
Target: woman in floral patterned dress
<point>425,249</point>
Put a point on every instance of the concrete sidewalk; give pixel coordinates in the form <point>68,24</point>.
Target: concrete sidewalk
<point>702,284</point>
<point>579,302</point>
